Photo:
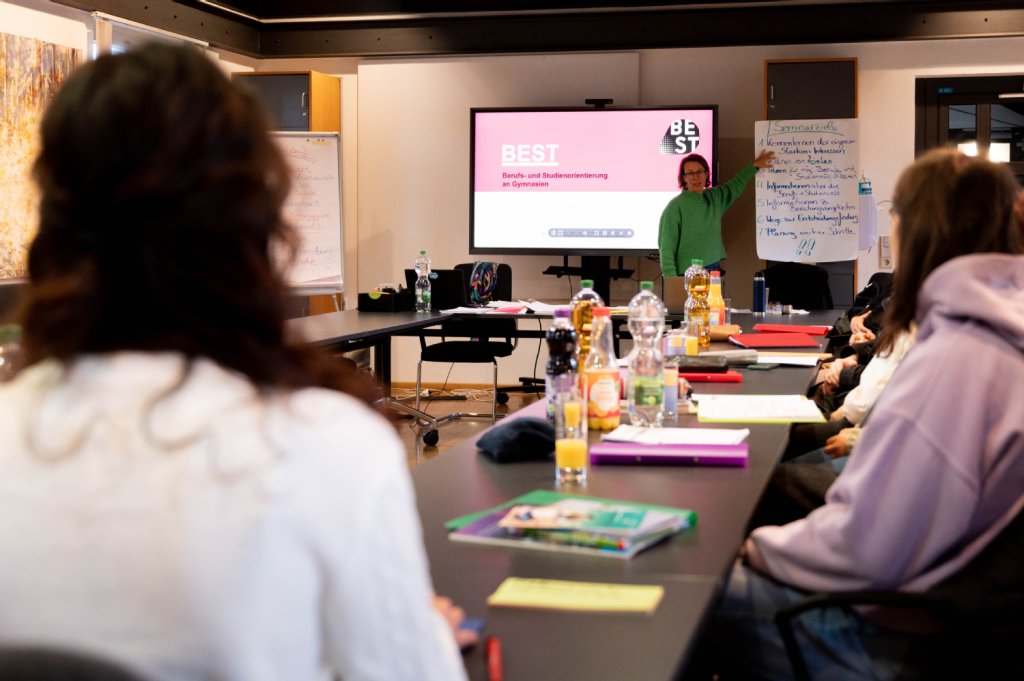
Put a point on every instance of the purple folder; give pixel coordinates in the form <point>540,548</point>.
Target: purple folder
<point>668,455</point>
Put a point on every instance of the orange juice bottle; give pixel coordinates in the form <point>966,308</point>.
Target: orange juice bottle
<point>583,304</point>
<point>604,384</point>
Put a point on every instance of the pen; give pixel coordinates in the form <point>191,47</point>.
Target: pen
<point>492,651</point>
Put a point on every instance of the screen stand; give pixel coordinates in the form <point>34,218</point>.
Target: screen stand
<point>596,267</point>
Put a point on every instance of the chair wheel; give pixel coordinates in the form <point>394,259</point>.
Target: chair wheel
<point>502,398</point>
<point>430,437</point>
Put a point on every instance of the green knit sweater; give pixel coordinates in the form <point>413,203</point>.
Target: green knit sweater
<point>691,224</point>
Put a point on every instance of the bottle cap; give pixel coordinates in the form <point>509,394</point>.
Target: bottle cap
<point>697,261</point>
<point>646,285</point>
<point>423,252</point>
<point>602,311</point>
<point>715,273</point>
<point>562,312</point>
<point>586,283</point>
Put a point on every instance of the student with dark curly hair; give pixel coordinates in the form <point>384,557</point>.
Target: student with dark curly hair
<point>181,489</point>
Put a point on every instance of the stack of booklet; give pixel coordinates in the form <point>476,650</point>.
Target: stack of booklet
<point>578,524</point>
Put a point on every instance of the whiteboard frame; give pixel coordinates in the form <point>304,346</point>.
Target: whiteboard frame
<point>313,290</point>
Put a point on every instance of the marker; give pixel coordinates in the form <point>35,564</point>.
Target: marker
<point>492,651</point>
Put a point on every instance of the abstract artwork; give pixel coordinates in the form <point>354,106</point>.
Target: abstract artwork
<point>30,73</point>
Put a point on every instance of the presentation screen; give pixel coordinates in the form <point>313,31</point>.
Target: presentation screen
<point>580,181</point>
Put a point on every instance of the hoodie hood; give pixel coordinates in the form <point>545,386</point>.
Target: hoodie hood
<point>987,288</point>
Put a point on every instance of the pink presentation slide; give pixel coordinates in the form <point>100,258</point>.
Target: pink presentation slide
<point>588,179</point>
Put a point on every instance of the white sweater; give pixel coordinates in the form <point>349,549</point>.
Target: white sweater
<point>193,529</point>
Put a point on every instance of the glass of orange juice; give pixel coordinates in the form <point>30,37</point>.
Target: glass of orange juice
<point>571,436</point>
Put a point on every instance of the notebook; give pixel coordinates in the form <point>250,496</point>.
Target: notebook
<point>774,340</point>
<point>448,288</point>
<point>675,295</point>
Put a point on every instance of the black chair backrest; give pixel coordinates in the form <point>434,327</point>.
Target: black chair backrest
<point>803,286</point>
<point>32,663</point>
<point>502,280</point>
<point>448,288</point>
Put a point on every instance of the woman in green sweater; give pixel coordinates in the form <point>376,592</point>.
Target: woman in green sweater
<point>691,224</point>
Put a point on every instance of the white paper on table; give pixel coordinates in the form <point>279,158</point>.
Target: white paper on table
<point>466,310</point>
<point>757,409</point>
<point>678,436</point>
<point>539,307</point>
<point>803,360</point>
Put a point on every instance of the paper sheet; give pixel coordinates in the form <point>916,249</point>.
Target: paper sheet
<point>789,359</point>
<point>757,409</point>
<point>678,436</point>
<point>556,594</point>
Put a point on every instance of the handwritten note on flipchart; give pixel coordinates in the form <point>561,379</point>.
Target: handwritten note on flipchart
<point>314,208</point>
<point>807,206</point>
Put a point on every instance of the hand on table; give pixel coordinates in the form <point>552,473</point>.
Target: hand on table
<point>839,444</point>
<point>454,615</point>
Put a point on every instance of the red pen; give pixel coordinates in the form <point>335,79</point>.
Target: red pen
<point>492,651</point>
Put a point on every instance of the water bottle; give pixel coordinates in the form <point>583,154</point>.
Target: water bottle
<point>697,310</point>
<point>645,386</point>
<point>759,292</point>
<point>423,283</point>
<point>583,304</point>
<point>12,358</point>
<point>602,374</point>
<point>561,371</point>
<point>864,186</point>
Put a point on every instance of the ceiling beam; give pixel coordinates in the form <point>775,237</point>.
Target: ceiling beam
<point>219,31</point>
<point>709,26</point>
<point>638,30</point>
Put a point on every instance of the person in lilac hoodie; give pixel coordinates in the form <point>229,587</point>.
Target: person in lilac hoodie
<point>939,468</point>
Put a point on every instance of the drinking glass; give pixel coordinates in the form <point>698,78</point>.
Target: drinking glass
<point>571,436</point>
<point>728,311</point>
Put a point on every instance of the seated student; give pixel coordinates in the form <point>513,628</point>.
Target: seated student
<point>937,471</point>
<point>181,490</point>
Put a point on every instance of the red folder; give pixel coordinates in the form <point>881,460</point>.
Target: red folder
<point>810,330</point>
<point>774,340</point>
<point>717,377</point>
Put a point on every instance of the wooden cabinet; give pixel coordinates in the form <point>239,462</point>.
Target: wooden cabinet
<point>304,101</point>
<point>816,88</point>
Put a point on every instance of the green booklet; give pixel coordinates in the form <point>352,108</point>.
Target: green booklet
<point>544,497</point>
<point>553,521</point>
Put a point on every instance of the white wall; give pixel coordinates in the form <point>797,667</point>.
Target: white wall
<point>406,141</point>
<point>45,21</point>
<point>413,145</point>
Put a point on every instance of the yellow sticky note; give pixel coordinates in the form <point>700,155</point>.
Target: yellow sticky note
<point>556,594</point>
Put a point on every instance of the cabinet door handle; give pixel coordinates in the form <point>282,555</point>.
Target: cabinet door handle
<point>303,104</point>
<point>771,92</point>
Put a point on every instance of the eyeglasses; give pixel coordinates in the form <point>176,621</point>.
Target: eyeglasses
<point>694,173</point>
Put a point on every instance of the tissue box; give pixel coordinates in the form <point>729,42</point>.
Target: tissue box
<point>385,302</point>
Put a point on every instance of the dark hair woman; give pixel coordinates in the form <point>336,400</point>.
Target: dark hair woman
<point>181,489</point>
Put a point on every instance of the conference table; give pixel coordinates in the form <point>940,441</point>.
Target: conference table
<point>691,566</point>
<point>354,329</point>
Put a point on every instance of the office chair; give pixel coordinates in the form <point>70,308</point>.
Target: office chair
<point>967,626</point>
<point>803,286</point>
<point>39,663</point>
<point>480,341</point>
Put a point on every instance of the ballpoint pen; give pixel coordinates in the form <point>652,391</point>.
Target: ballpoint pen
<point>492,651</point>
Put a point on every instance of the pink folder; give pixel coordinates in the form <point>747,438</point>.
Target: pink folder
<point>607,451</point>
<point>810,329</point>
<point>774,340</point>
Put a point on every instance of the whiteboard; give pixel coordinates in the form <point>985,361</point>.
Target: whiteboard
<point>806,204</point>
<point>314,208</point>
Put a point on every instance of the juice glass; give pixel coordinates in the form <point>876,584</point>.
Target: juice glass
<point>571,436</point>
